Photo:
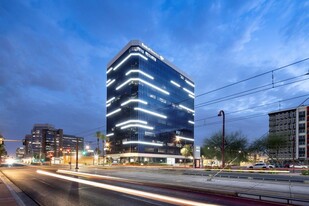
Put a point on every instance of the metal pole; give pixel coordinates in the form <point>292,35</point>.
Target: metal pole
<point>76,154</point>
<point>221,113</point>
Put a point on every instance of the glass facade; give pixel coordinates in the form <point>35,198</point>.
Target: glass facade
<point>150,105</point>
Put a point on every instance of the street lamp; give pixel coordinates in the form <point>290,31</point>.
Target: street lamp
<point>221,113</point>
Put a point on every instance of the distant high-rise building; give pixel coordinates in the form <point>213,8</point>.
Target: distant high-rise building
<point>46,142</point>
<point>150,107</point>
<point>293,124</point>
<point>20,152</point>
<point>69,142</point>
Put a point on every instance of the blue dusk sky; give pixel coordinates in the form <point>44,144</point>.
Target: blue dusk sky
<point>53,57</point>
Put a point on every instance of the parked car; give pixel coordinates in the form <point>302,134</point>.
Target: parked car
<point>299,166</point>
<point>261,165</point>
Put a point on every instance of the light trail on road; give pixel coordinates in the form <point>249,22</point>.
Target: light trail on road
<point>148,195</point>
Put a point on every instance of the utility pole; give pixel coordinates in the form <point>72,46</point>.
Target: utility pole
<point>76,154</point>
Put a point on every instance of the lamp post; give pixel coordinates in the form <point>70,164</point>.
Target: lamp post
<point>221,113</point>
<point>76,167</point>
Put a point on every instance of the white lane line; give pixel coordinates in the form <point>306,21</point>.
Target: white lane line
<point>157,197</point>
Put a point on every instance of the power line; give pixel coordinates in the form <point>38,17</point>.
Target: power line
<point>261,105</point>
<point>251,91</point>
<point>253,77</point>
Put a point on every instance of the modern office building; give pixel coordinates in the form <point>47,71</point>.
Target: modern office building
<point>292,124</point>
<point>150,107</point>
<point>46,142</point>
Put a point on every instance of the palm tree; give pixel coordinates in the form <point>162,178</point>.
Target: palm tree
<point>98,135</point>
<point>103,138</point>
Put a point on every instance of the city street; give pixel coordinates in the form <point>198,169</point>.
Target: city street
<point>47,190</point>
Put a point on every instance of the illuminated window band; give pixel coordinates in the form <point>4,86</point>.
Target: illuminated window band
<point>191,122</point>
<point>113,112</point>
<point>192,85</point>
<point>188,91</point>
<point>190,110</point>
<point>111,99</point>
<point>141,142</point>
<point>137,125</point>
<point>143,81</point>
<point>110,83</point>
<point>176,84</point>
<point>110,134</point>
<point>139,71</point>
<point>109,104</point>
<point>134,100</point>
<point>109,70</point>
<point>125,59</point>
<point>185,138</point>
<point>150,112</point>
<point>190,95</point>
<point>131,121</point>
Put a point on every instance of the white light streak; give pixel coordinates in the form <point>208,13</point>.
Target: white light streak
<point>188,91</point>
<point>137,125</point>
<point>110,83</point>
<point>111,99</point>
<point>141,142</point>
<point>110,134</point>
<point>113,112</point>
<point>176,84</point>
<point>191,122</point>
<point>131,121</point>
<point>139,71</point>
<point>190,110</point>
<point>134,100</point>
<point>109,70</point>
<point>125,59</point>
<point>109,104</point>
<point>192,85</point>
<point>190,95</point>
<point>150,112</point>
<point>152,196</point>
<point>143,81</point>
<point>185,138</point>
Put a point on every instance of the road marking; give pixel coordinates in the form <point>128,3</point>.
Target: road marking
<point>147,195</point>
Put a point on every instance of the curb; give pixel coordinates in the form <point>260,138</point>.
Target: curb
<point>9,185</point>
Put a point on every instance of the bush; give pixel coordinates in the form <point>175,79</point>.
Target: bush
<point>305,172</point>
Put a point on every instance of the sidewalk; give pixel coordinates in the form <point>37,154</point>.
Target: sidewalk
<point>7,194</point>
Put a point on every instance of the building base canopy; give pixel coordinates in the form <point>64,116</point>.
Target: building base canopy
<point>145,158</point>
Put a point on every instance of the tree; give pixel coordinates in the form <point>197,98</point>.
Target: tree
<point>186,151</point>
<point>98,135</point>
<point>235,146</point>
<point>2,149</point>
<point>271,145</point>
<point>101,136</point>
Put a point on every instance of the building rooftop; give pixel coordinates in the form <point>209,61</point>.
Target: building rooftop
<point>159,57</point>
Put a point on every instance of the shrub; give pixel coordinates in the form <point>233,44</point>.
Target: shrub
<point>305,172</point>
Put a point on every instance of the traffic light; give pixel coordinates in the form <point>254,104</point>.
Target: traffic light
<point>84,152</point>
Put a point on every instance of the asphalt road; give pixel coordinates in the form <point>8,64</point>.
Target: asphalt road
<point>47,190</point>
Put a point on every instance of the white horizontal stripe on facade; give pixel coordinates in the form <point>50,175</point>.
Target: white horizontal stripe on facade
<point>131,121</point>
<point>150,112</point>
<point>141,142</point>
<point>139,71</point>
<point>125,59</point>
<point>143,81</point>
